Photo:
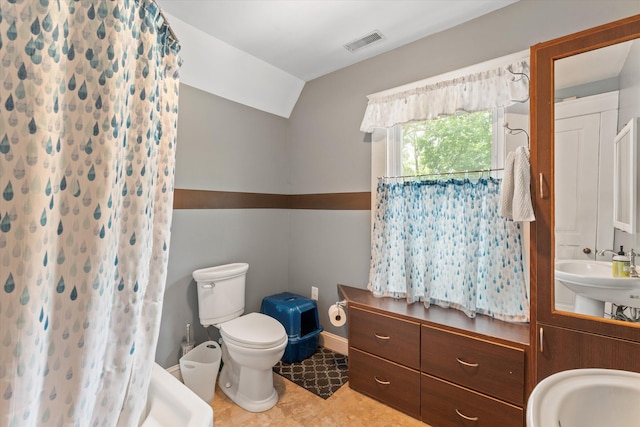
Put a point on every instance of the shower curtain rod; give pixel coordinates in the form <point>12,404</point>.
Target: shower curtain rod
<point>173,35</point>
<point>164,19</point>
<point>440,173</point>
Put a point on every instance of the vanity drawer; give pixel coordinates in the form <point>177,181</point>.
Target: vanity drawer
<point>385,336</point>
<point>385,381</point>
<point>447,405</point>
<point>490,368</point>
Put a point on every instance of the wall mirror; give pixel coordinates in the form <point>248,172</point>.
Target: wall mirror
<point>625,178</point>
<point>587,89</point>
<point>594,94</point>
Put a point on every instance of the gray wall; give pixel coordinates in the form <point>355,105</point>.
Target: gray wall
<point>329,153</point>
<point>630,87</point>
<point>224,146</point>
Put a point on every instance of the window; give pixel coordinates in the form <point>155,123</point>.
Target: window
<point>444,242</point>
<point>432,241</point>
<point>461,142</point>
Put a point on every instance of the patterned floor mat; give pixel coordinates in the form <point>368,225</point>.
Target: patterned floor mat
<point>322,374</point>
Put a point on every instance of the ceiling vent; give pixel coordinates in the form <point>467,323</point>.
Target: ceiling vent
<point>364,41</point>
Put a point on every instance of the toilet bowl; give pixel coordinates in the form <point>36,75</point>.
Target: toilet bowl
<point>251,344</point>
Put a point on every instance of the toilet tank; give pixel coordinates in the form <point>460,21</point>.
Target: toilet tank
<point>220,292</point>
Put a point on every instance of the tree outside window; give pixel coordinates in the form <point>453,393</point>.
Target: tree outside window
<point>451,144</point>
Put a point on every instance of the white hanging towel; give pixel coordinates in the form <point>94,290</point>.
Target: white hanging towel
<point>515,192</point>
<point>506,189</point>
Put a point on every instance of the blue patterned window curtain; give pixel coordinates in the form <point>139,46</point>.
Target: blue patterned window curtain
<point>444,243</point>
<point>88,114</point>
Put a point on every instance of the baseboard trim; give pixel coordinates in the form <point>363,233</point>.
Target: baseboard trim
<point>334,342</point>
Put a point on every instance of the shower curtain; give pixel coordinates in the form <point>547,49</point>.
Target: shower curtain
<point>88,111</point>
<point>443,242</point>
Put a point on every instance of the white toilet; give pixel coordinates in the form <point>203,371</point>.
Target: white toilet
<point>251,344</point>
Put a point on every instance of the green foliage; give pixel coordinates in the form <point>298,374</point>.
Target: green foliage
<point>450,144</point>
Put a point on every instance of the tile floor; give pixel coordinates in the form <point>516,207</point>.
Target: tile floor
<point>299,407</point>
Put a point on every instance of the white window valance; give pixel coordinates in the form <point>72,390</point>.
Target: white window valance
<point>493,84</point>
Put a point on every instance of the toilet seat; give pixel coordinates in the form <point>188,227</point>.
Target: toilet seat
<point>253,330</point>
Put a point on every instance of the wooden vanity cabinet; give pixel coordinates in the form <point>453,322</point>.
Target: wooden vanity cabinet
<point>388,382</point>
<point>445,404</point>
<point>467,379</point>
<point>384,358</point>
<point>561,349</point>
<point>435,364</point>
<point>385,336</point>
<point>481,365</point>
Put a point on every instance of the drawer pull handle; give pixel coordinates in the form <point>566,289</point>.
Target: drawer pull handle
<point>471,365</point>
<point>460,414</point>
<point>382,337</point>
<point>379,381</point>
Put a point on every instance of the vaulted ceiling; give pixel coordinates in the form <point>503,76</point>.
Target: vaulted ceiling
<point>261,52</point>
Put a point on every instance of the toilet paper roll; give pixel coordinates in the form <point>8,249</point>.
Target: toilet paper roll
<point>337,316</point>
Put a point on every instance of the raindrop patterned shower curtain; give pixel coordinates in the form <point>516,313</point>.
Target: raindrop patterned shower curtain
<point>88,111</point>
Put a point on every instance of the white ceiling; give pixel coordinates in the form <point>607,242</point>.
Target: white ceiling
<point>260,53</point>
<point>305,38</point>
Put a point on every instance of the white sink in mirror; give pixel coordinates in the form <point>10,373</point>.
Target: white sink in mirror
<point>586,398</point>
<point>594,284</point>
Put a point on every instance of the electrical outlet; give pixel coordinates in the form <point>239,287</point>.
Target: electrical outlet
<point>314,293</point>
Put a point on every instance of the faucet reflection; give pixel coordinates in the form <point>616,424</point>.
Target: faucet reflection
<point>606,251</point>
<point>633,272</point>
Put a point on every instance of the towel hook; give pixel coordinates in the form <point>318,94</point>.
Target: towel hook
<point>516,79</point>
<point>516,131</point>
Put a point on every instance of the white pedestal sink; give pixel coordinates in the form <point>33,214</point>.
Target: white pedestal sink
<point>586,398</point>
<point>594,284</point>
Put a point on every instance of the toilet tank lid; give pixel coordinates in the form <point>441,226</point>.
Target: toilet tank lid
<point>220,272</point>
<point>254,329</point>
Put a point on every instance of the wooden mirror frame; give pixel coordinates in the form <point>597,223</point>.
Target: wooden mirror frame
<point>543,56</point>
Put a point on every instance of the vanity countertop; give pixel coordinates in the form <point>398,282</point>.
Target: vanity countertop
<point>450,319</point>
